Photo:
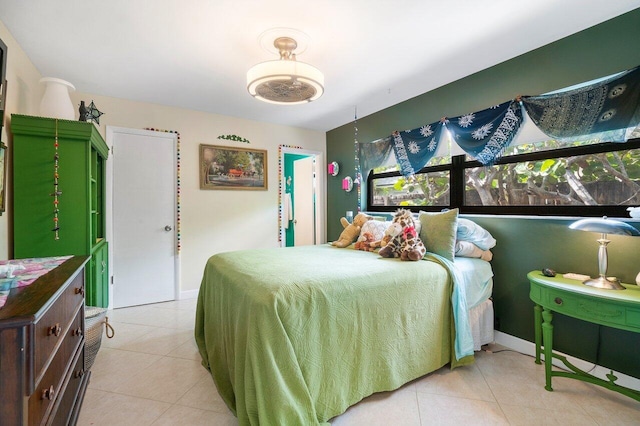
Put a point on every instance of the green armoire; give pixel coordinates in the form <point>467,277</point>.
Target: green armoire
<point>82,155</point>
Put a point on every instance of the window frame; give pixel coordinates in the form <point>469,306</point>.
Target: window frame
<point>459,165</point>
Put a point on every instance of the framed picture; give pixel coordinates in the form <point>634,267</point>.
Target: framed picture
<point>223,167</point>
<point>3,89</point>
<point>3,177</point>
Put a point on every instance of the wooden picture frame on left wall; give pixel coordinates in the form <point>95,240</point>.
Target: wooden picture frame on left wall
<point>3,147</point>
<point>3,83</point>
<point>3,177</point>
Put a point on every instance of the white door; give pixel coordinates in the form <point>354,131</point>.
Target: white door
<point>144,199</point>
<point>303,202</point>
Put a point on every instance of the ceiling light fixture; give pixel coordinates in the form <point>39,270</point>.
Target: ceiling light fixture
<point>285,81</point>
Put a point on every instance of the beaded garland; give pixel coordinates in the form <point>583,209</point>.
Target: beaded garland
<point>178,237</point>
<point>358,178</point>
<point>56,190</point>
<point>280,188</point>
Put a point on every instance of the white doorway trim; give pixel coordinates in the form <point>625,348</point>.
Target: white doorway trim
<point>320,191</point>
<point>110,131</point>
<point>304,194</point>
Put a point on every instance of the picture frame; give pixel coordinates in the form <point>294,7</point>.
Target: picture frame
<point>230,168</point>
<point>3,75</point>
<point>3,177</point>
<point>3,89</point>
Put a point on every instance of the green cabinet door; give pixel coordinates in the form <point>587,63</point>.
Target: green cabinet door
<point>81,154</point>
<point>98,292</point>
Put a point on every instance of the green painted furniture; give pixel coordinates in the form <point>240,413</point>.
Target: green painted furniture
<point>612,308</point>
<point>82,159</point>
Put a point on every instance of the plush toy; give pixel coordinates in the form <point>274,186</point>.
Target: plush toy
<point>364,242</point>
<point>391,231</point>
<point>405,244</point>
<point>412,247</point>
<point>351,231</point>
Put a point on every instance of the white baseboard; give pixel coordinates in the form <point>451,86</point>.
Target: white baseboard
<point>188,294</point>
<point>529,348</point>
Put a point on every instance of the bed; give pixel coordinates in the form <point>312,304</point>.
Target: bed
<point>294,336</point>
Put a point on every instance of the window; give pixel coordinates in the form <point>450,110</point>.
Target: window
<point>585,178</point>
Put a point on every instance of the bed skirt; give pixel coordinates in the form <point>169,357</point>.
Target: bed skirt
<point>481,319</point>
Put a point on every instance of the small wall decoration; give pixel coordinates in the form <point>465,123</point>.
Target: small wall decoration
<point>333,168</point>
<point>89,113</point>
<point>347,184</point>
<point>235,138</point>
<point>223,167</point>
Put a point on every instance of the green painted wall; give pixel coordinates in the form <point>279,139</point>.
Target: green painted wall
<point>523,243</point>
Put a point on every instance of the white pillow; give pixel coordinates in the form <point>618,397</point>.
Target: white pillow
<point>376,228</point>
<point>470,231</point>
<point>468,249</point>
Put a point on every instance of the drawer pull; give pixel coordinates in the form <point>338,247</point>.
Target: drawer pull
<point>80,290</point>
<point>55,330</point>
<point>77,332</point>
<point>78,374</point>
<point>558,301</point>
<point>48,393</point>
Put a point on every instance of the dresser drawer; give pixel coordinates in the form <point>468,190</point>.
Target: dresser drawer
<point>597,310</point>
<point>53,325</point>
<point>51,386</point>
<point>69,398</point>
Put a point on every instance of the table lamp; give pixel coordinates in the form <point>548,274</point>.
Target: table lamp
<point>604,226</point>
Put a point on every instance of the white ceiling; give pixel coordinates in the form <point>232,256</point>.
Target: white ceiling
<point>374,53</point>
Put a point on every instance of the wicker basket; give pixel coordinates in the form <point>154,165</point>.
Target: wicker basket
<point>94,318</point>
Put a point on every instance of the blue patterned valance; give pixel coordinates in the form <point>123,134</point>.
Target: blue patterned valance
<point>373,154</point>
<point>414,148</point>
<point>608,109</point>
<point>605,109</point>
<point>485,134</point>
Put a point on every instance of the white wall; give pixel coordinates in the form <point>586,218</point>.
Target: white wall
<point>23,97</point>
<point>212,221</point>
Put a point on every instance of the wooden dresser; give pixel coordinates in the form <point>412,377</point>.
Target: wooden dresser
<point>42,376</point>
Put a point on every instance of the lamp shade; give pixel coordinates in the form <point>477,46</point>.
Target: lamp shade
<point>605,226</point>
<point>56,102</point>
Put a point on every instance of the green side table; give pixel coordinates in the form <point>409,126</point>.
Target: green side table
<point>612,308</point>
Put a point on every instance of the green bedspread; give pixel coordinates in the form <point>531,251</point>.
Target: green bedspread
<point>294,336</point>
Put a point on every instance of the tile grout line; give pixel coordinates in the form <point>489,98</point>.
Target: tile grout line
<point>492,393</point>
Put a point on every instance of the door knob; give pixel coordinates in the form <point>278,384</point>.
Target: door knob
<point>167,228</point>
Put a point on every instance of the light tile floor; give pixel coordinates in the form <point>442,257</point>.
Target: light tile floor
<point>150,374</point>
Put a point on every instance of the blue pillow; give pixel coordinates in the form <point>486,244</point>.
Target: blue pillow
<point>470,231</point>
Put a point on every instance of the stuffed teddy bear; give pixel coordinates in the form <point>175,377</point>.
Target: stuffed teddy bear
<point>405,244</point>
<point>351,231</point>
<point>364,242</point>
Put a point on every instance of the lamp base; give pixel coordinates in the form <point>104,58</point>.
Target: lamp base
<point>604,283</point>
